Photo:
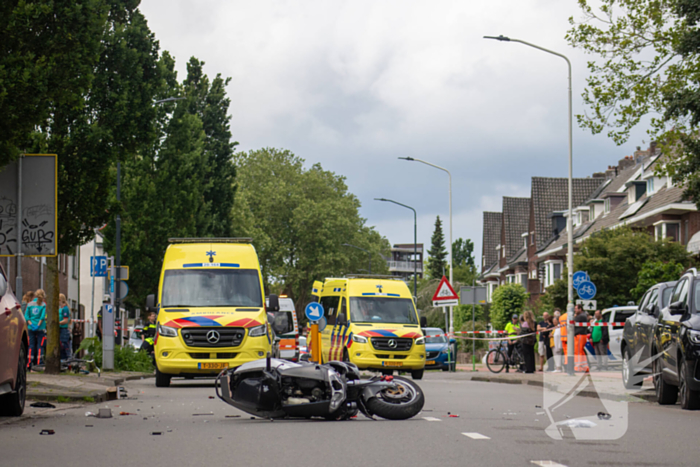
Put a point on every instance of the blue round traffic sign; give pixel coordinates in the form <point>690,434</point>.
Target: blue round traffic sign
<point>579,278</point>
<point>586,290</point>
<point>314,311</point>
<point>322,323</point>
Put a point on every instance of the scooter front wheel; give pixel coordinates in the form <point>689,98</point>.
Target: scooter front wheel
<point>399,403</point>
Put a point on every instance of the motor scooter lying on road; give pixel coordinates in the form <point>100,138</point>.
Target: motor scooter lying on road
<point>273,388</point>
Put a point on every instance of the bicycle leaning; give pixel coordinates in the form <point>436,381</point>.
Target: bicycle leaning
<point>497,359</point>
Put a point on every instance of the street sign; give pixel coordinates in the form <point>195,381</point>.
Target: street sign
<point>314,311</point>
<point>588,305</point>
<point>586,290</point>
<point>472,295</point>
<point>123,275</point>
<point>98,266</point>
<point>111,284</point>
<point>579,278</point>
<point>322,323</point>
<point>38,203</point>
<point>445,295</point>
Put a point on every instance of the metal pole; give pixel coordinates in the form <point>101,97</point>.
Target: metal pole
<point>92,300</point>
<point>474,323</point>
<point>118,248</point>
<point>18,278</point>
<point>569,222</point>
<point>415,240</point>
<point>451,328</point>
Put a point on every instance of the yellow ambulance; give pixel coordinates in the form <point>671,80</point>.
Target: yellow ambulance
<point>371,322</point>
<point>211,308</point>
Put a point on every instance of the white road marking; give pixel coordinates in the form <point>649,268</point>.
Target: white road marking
<point>547,464</point>
<point>432,419</point>
<point>476,436</point>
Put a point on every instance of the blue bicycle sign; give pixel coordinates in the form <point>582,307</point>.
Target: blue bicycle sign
<point>586,290</point>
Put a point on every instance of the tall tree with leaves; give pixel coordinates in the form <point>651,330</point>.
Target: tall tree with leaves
<point>112,120</point>
<point>437,263</point>
<point>48,52</point>
<point>649,67</point>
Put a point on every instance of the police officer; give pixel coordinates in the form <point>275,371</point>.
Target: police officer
<point>149,333</point>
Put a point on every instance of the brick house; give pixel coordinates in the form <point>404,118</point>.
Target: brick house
<point>490,247</point>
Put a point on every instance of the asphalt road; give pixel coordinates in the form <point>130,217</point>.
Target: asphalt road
<point>505,425</point>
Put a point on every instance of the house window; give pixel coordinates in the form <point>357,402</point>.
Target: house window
<point>490,288</point>
<point>523,279</point>
<point>671,230</point>
<point>553,270</point>
<point>650,186</point>
<point>510,278</point>
<point>606,207</point>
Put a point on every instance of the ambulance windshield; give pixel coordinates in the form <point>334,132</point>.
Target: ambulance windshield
<point>382,310</point>
<point>211,288</point>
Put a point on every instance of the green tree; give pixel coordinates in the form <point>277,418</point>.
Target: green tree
<point>557,296</point>
<point>649,67</point>
<point>111,119</point>
<point>462,252</point>
<point>507,299</point>
<point>299,220</point>
<point>437,263</point>
<point>653,272</point>
<point>48,55</point>
<point>613,259</point>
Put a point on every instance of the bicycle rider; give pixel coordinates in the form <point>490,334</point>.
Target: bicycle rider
<point>512,330</point>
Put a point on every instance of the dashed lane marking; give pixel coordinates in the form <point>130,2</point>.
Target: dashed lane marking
<point>432,419</point>
<point>547,463</point>
<point>475,436</point>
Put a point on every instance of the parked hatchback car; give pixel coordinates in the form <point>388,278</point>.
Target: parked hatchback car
<point>14,343</point>
<point>638,335</point>
<point>618,315</point>
<point>436,349</point>
<point>676,346</point>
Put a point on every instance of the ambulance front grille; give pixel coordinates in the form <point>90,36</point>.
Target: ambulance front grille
<point>213,337</point>
<point>398,344</point>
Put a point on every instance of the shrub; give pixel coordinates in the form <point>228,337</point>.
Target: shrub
<point>507,299</point>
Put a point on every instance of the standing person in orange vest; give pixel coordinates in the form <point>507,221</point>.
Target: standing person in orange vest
<point>580,336</point>
<point>563,321</point>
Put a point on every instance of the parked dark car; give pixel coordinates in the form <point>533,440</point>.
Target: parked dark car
<point>676,347</point>
<point>14,343</point>
<point>638,335</point>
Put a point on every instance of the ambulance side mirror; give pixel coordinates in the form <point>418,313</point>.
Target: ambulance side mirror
<point>342,320</point>
<point>423,322</point>
<point>273,303</point>
<point>150,303</point>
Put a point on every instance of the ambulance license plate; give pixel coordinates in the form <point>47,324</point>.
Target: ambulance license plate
<point>429,362</point>
<point>212,366</point>
<point>394,364</point>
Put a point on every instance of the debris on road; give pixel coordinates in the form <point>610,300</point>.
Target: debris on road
<point>156,433</point>
<point>104,413</point>
<point>604,416</point>
<point>43,405</point>
<point>577,423</point>
<point>126,413</point>
<point>47,432</point>
<point>202,414</point>
<point>232,416</point>
<point>90,414</point>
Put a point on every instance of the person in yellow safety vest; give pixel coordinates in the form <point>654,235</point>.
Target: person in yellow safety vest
<point>149,333</point>
<point>512,329</point>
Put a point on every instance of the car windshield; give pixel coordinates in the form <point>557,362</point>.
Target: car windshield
<point>382,310</point>
<point>211,288</point>
<point>435,337</point>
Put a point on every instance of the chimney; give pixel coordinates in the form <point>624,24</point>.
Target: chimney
<point>625,162</point>
<point>652,148</point>
<point>611,172</point>
<point>598,175</point>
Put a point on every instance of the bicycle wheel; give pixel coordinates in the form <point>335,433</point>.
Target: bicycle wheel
<point>495,361</point>
<point>517,361</point>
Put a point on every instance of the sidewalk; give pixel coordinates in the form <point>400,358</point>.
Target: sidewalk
<point>608,385</point>
<point>72,387</point>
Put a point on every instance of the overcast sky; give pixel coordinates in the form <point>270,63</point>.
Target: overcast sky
<point>356,84</point>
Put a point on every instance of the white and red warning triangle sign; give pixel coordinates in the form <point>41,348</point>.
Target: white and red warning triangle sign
<point>445,295</point>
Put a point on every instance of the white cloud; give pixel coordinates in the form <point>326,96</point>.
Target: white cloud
<point>355,84</point>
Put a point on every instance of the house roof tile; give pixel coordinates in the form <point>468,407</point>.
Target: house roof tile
<point>491,236</point>
<point>516,218</point>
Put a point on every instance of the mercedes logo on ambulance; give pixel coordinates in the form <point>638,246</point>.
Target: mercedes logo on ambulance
<point>213,337</point>
<point>392,343</point>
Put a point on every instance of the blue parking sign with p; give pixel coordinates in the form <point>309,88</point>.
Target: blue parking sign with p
<point>98,266</point>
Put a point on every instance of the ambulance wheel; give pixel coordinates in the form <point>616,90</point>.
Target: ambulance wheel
<point>417,374</point>
<point>162,380</point>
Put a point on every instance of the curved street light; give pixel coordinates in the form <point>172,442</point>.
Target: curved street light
<point>415,239</point>
<point>569,221</point>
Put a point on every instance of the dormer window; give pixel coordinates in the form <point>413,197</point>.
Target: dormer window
<point>606,208</point>
<point>650,186</point>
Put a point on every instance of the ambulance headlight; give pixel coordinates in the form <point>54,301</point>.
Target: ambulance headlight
<point>167,331</point>
<point>258,331</point>
<point>420,341</point>
<point>359,339</point>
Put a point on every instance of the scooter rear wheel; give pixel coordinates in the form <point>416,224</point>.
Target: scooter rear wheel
<point>401,403</point>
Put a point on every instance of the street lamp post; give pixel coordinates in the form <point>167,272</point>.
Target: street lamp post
<point>569,221</point>
<point>415,240</point>
<point>451,331</point>
<point>369,255</point>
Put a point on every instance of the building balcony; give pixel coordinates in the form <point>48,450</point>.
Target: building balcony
<point>404,266</point>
